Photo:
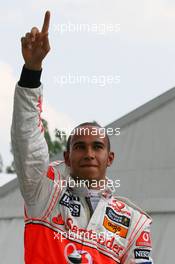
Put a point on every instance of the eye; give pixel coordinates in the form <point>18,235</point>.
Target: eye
<point>79,147</point>
<point>98,146</point>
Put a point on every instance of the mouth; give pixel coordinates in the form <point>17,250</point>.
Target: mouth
<point>88,166</point>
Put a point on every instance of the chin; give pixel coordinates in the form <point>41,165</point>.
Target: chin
<point>88,175</point>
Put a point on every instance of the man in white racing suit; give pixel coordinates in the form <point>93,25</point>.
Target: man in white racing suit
<point>70,217</point>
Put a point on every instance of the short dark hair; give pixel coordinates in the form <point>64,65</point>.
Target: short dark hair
<point>94,124</point>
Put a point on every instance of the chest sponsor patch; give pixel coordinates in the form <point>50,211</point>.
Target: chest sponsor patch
<point>114,228</point>
<point>108,242</point>
<point>120,219</point>
<point>142,254</point>
<point>69,202</point>
<point>119,206</point>
<point>144,240</point>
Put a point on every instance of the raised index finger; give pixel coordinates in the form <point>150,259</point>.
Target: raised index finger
<point>46,22</point>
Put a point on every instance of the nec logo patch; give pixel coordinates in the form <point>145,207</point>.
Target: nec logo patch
<point>142,254</point>
<point>69,202</point>
<point>121,219</point>
<point>144,240</point>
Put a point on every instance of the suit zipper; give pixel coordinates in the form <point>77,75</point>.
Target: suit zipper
<point>88,201</point>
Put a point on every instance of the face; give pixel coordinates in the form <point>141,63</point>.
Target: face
<point>89,155</point>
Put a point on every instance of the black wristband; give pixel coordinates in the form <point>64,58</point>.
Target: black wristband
<point>30,78</point>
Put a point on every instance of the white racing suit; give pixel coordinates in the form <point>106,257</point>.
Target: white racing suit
<point>60,225</point>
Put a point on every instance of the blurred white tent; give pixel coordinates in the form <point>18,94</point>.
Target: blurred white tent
<point>6,177</point>
<point>1,163</point>
<point>11,223</point>
<point>145,165</point>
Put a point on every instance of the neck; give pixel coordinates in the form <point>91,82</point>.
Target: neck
<point>91,183</point>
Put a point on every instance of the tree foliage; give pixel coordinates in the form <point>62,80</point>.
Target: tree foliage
<point>55,146</point>
<point>58,144</point>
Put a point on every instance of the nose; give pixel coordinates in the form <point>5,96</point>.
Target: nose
<point>90,154</point>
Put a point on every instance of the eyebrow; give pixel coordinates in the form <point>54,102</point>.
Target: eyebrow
<point>78,143</point>
<point>98,143</point>
<point>83,143</point>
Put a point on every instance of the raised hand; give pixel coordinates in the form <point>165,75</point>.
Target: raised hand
<point>35,45</point>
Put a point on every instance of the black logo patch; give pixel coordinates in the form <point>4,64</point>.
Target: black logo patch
<point>69,201</point>
<point>142,253</point>
<point>120,219</point>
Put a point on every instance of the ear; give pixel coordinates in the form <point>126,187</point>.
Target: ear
<point>66,158</point>
<point>110,158</point>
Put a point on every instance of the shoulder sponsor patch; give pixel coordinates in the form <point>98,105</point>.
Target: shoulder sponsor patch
<point>69,201</point>
<point>142,254</point>
<point>58,220</point>
<point>114,228</point>
<point>50,173</point>
<point>120,219</point>
<point>144,240</point>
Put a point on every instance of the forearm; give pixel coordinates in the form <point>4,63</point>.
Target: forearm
<point>28,142</point>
